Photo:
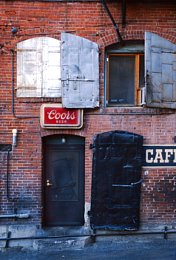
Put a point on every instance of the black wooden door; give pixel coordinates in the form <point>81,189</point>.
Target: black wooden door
<point>117,161</point>
<point>64,182</point>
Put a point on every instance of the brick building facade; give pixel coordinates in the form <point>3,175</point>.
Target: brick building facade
<point>119,37</point>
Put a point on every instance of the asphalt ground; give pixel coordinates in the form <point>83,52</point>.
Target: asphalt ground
<point>163,250</point>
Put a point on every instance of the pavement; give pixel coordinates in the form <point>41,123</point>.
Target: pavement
<point>157,250</point>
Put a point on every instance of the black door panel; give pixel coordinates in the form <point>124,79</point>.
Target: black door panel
<point>116,180</point>
<point>64,184</point>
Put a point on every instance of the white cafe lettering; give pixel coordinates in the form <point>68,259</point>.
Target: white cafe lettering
<point>160,155</point>
<point>53,114</point>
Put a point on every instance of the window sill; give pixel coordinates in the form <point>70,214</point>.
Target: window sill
<point>38,99</point>
<point>130,110</point>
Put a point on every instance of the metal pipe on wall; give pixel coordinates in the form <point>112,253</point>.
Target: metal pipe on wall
<point>19,215</point>
<point>112,20</point>
<point>7,175</point>
<point>123,13</point>
<point>164,232</point>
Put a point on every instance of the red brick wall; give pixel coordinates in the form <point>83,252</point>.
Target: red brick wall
<point>89,20</point>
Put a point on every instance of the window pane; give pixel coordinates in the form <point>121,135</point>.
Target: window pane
<point>121,79</point>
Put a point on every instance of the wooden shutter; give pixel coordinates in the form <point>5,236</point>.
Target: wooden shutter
<point>38,68</point>
<point>29,68</point>
<point>160,74</point>
<point>79,72</point>
<point>51,68</point>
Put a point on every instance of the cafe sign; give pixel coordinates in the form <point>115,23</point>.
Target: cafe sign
<point>55,116</point>
<point>159,155</point>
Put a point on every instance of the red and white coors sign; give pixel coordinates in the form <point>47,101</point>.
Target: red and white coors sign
<point>56,116</point>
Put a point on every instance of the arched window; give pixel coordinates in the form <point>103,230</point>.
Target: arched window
<point>38,68</point>
<point>127,66</point>
<point>69,68</point>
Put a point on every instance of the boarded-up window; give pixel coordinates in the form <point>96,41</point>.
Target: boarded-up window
<point>38,68</point>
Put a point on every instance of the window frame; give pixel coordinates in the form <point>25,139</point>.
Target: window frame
<point>135,49</point>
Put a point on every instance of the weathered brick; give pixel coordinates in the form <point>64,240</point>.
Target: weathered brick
<point>88,20</point>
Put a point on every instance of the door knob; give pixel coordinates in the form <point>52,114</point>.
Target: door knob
<point>48,183</point>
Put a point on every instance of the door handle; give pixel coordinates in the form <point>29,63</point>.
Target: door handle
<point>128,186</point>
<point>48,183</point>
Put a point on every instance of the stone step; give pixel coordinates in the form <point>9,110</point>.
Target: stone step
<point>64,243</point>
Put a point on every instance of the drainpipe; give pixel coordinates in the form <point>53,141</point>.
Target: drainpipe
<point>7,176</point>
<point>112,20</point>
<point>123,13</point>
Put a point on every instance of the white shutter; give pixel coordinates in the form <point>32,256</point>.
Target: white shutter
<point>38,68</point>
<point>160,71</point>
<point>29,68</point>
<point>51,68</point>
<point>79,72</point>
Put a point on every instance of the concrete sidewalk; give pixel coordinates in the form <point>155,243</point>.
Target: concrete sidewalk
<point>161,250</point>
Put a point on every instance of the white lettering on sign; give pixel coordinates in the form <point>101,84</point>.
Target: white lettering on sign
<point>53,114</point>
<point>57,117</point>
<point>160,155</point>
<point>149,153</point>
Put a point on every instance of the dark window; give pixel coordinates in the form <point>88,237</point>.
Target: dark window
<point>125,78</point>
<point>121,79</point>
